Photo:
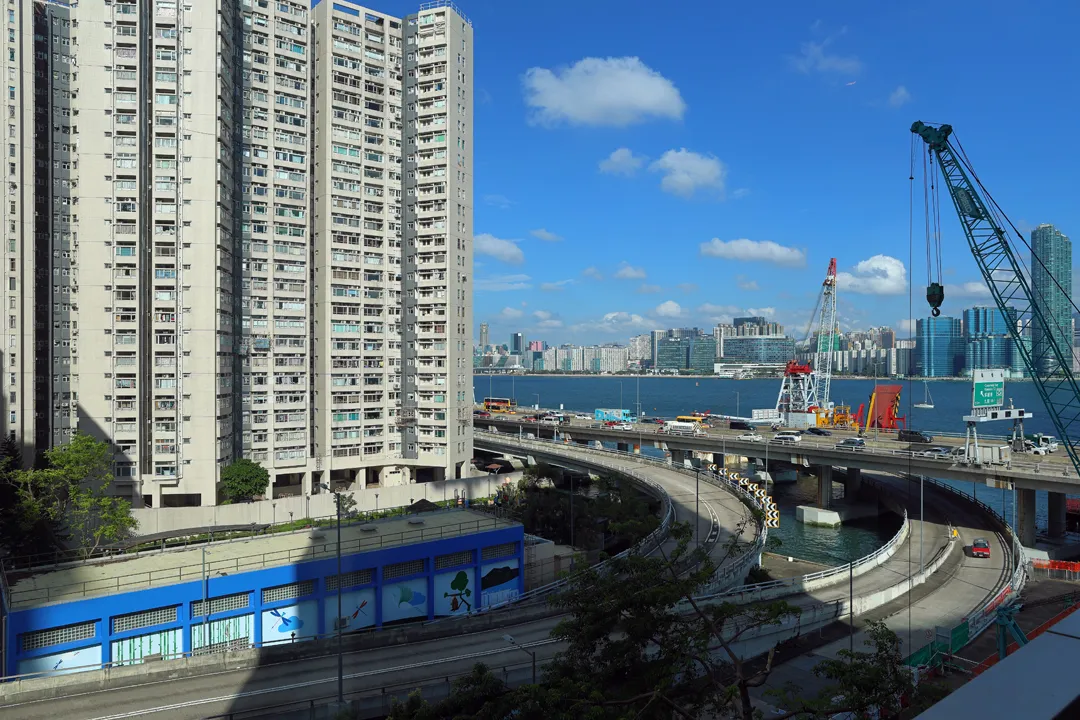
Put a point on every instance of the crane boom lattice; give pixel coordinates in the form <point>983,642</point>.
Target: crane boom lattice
<point>826,339</point>
<point>1051,363</point>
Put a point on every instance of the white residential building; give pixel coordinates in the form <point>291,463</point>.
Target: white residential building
<point>258,240</point>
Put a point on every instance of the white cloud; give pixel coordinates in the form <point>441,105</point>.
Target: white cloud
<point>509,313</point>
<point>669,309</point>
<point>545,235</point>
<point>969,289</point>
<point>503,283</point>
<point>766,312</point>
<point>744,284</point>
<point>499,201</point>
<point>555,286</point>
<point>627,271</point>
<point>899,96</point>
<point>547,320</point>
<point>610,91</point>
<point>505,250</point>
<point>814,57</point>
<point>686,171</point>
<point>879,275</point>
<point>754,251</point>
<point>592,272</point>
<point>740,193</point>
<point>907,325</point>
<point>719,313</point>
<point>616,322</point>
<point>646,289</point>
<point>622,162</point>
<point>688,287</point>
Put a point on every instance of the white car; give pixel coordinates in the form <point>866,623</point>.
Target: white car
<point>622,426</point>
<point>750,437</point>
<point>582,416</point>
<point>787,438</point>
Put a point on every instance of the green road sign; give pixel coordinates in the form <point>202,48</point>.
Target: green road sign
<point>988,393</point>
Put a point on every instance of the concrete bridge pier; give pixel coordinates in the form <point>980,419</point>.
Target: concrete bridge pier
<point>824,487</point>
<point>678,456</point>
<point>1025,517</point>
<point>852,483</point>
<point>623,447</point>
<point>1055,506</point>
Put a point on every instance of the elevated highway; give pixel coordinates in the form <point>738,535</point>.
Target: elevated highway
<point>952,584</point>
<point>1025,474</point>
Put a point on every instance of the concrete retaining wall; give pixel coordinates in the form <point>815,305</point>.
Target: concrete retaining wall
<point>155,520</point>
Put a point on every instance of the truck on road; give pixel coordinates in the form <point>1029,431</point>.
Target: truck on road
<point>1047,442</point>
<point>987,454</point>
<point>613,415</point>
<point>675,427</point>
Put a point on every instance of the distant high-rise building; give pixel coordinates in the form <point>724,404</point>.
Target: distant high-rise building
<point>939,346</point>
<point>987,343</point>
<point>684,332</point>
<point>537,346</point>
<point>1051,283</point>
<point>720,333</point>
<point>756,325</point>
<point>887,338</point>
<point>484,335</point>
<point>656,336</point>
<point>671,353</point>
<point>701,354</point>
<point>518,344</point>
<point>640,348</point>
<point>772,349</point>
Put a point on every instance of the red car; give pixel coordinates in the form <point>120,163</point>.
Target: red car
<point>481,413</point>
<point>980,548</point>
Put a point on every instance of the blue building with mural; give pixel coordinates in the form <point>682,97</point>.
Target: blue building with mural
<point>271,589</point>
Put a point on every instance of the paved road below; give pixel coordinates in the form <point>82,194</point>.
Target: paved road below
<point>718,513</point>
<point>963,584</point>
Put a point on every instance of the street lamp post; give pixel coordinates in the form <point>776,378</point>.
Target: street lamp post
<point>205,604</point>
<point>620,394</point>
<point>737,414</point>
<point>537,395</point>
<point>697,506</point>
<point>532,654</point>
<point>337,621</point>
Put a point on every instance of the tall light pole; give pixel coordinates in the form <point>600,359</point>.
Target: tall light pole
<point>532,654</point>
<point>337,621</point>
<point>205,604</point>
<point>737,414</point>
<point>537,415</point>
<point>697,505</point>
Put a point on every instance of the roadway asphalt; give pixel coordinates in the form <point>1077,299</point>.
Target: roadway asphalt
<point>719,513</point>
<point>962,585</point>
<point>396,669</point>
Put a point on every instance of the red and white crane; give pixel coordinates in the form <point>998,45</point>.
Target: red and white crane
<point>805,387</point>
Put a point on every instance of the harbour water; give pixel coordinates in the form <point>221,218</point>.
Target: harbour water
<point>671,396</point>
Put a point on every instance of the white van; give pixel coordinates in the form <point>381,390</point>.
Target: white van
<point>787,438</point>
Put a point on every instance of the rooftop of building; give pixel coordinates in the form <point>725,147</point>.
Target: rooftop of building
<point>138,571</point>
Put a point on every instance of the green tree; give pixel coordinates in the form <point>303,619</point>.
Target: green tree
<point>636,643</point>
<point>243,480</point>
<point>71,496</point>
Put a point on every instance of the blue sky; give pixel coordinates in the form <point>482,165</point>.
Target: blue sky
<point>638,169</point>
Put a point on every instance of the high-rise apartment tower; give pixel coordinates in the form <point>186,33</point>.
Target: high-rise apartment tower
<point>256,242</point>
<point>1051,285</point>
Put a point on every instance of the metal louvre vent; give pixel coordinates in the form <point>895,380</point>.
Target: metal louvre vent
<point>57,636</point>
<point>350,579</point>
<point>288,592</point>
<point>222,604</point>
<point>465,557</point>
<point>144,619</point>
<point>492,552</point>
<point>412,567</point>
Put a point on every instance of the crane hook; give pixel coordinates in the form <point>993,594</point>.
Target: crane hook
<point>935,295</point>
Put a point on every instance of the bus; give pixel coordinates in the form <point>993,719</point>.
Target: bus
<point>499,405</point>
<point>697,420</point>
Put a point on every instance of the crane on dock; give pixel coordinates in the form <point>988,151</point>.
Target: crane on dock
<point>804,391</point>
<point>1049,362</point>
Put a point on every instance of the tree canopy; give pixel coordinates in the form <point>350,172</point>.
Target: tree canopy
<point>637,644</point>
<point>242,480</point>
<point>70,498</point>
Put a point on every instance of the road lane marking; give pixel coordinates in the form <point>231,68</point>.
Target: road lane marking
<point>312,683</point>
